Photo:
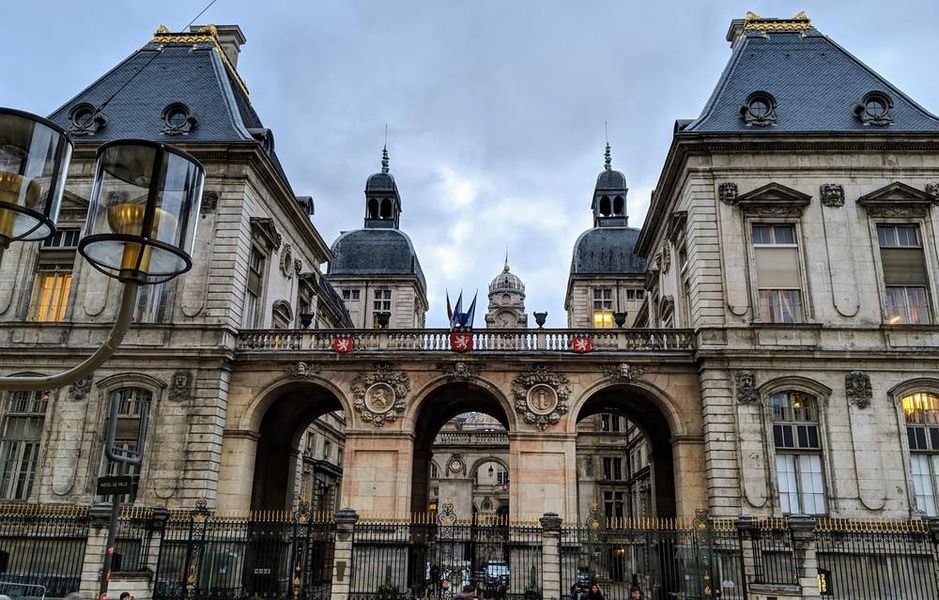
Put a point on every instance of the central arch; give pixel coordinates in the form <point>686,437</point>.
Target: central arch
<point>284,414</point>
<point>438,406</point>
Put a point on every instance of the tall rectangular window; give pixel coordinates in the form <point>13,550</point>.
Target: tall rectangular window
<point>614,504</point>
<point>20,444</point>
<point>151,303</point>
<point>800,478</point>
<point>50,292</point>
<point>603,308</point>
<point>611,423</point>
<point>905,280</point>
<point>130,401</point>
<point>921,413</point>
<point>613,468</point>
<point>779,279</point>
<point>381,303</point>
<point>254,288</point>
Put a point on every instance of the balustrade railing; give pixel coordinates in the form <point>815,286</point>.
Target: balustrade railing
<point>485,340</point>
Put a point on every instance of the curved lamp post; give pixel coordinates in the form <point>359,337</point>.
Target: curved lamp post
<point>141,222</point>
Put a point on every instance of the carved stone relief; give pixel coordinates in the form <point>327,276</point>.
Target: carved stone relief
<point>380,395</point>
<point>857,387</point>
<point>181,386</point>
<point>305,370</point>
<point>832,194</point>
<point>541,396</point>
<point>727,192</point>
<point>745,384</point>
<point>79,390</point>
<point>624,372</point>
<point>459,371</point>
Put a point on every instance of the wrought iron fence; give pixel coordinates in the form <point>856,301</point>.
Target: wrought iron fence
<point>433,557</point>
<point>773,558</point>
<point>43,545</point>
<point>273,554</point>
<point>886,560</point>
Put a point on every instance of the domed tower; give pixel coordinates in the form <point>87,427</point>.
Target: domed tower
<point>606,277</point>
<point>506,300</point>
<point>375,269</point>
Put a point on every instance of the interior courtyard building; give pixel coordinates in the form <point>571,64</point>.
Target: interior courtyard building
<point>764,344</point>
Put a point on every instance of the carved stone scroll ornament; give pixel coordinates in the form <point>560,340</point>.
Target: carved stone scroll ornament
<point>459,371</point>
<point>624,372</point>
<point>832,194</point>
<point>380,395</point>
<point>305,370</point>
<point>79,390</point>
<point>745,384</point>
<point>727,192</point>
<point>933,190</point>
<point>181,386</point>
<point>857,387</point>
<point>541,396</point>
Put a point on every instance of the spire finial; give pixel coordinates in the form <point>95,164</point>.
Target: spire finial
<point>505,269</point>
<point>607,158</point>
<point>384,152</point>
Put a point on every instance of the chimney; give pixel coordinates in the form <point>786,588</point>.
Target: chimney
<point>230,38</point>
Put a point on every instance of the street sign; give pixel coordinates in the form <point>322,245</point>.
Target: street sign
<point>115,485</point>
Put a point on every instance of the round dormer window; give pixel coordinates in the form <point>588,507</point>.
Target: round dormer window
<point>84,119</point>
<point>759,109</point>
<point>177,119</point>
<point>875,109</point>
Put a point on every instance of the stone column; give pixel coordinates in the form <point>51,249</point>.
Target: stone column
<point>236,473</point>
<point>551,555</point>
<point>346,519</point>
<point>802,528</point>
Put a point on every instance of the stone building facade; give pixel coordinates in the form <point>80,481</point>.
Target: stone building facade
<point>778,352</point>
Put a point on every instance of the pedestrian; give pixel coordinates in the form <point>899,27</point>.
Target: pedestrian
<point>125,596</point>
<point>467,593</point>
<point>635,591</point>
<point>577,592</point>
<point>595,593</point>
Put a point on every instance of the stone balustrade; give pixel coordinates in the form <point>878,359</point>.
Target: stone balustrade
<point>485,340</point>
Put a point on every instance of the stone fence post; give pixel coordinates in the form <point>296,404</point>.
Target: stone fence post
<point>748,567</point>
<point>550,555</point>
<point>346,518</point>
<point>802,529</point>
<point>933,524</point>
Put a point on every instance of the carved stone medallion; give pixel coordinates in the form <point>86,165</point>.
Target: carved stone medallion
<point>624,372</point>
<point>541,396</point>
<point>286,261</point>
<point>459,371</point>
<point>745,383</point>
<point>456,463</point>
<point>181,386</point>
<point>380,395</point>
<point>832,194</point>
<point>542,399</point>
<point>79,390</point>
<point>857,387</point>
<point>379,398</point>
<point>727,192</point>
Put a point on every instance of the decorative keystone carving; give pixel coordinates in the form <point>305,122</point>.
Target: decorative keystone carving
<point>181,386</point>
<point>624,372</point>
<point>727,192</point>
<point>305,370</point>
<point>459,371</point>
<point>745,384</point>
<point>79,390</point>
<point>933,190</point>
<point>857,387</point>
<point>541,396</point>
<point>297,266</point>
<point>380,395</point>
<point>832,194</point>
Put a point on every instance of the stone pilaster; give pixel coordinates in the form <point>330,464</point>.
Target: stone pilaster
<point>346,519</point>
<point>551,555</point>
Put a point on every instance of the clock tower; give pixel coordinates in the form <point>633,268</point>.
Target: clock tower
<point>506,301</point>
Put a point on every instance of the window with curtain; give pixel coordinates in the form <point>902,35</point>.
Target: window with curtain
<point>779,279</point>
<point>23,420</point>
<point>50,292</point>
<point>130,403</point>
<point>603,308</point>
<point>800,478</point>
<point>905,280</point>
<point>254,288</point>
<point>921,413</point>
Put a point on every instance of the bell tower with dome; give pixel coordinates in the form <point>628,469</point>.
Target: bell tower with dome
<point>506,300</point>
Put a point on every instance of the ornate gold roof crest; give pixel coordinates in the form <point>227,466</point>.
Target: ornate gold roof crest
<point>799,22</point>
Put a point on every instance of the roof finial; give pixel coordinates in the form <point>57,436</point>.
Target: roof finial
<point>607,158</point>
<point>384,152</point>
<point>505,269</point>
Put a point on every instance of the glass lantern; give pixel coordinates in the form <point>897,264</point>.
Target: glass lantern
<point>34,157</point>
<point>143,211</point>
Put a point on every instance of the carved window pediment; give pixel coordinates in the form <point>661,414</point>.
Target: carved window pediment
<point>774,199</point>
<point>265,233</point>
<point>897,200</point>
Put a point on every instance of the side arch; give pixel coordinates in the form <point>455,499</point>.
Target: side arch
<point>644,389</point>
<point>250,419</point>
<point>495,459</point>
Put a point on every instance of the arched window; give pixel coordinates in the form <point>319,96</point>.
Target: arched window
<point>23,420</point>
<point>372,208</point>
<point>605,206</point>
<point>618,208</point>
<point>130,401</point>
<point>386,208</point>
<point>799,475</point>
<point>921,413</point>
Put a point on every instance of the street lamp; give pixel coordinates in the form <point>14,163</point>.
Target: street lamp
<point>141,223</point>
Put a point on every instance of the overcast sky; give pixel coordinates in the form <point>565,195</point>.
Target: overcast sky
<point>495,108</point>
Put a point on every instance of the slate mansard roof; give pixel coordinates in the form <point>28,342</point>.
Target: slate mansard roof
<point>370,252</point>
<point>815,82</point>
<point>607,251</point>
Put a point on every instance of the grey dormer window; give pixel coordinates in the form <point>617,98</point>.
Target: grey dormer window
<point>177,119</point>
<point>84,119</point>
<point>759,109</point>
<point>876,108</point>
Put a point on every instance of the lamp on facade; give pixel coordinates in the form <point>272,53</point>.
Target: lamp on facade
<point>140,229</point>
<point>34,157</point>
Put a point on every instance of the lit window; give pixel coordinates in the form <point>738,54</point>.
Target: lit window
<point>778,275</point>
<point>603,308</point>
<point>253,288</point>
<point>905,281</point>
<point>130,401</point>
<point>50,292</point>
<point>20,444</point>
<point>921,413</point>
<point>799,475</point>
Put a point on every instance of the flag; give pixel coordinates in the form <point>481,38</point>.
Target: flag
<point>461,341</point>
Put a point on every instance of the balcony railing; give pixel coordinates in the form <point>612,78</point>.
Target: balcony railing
<point>472,438</point>
<point>484,340</point>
